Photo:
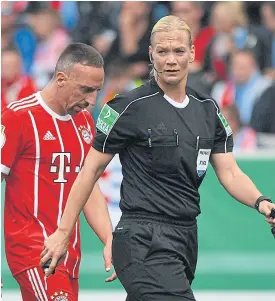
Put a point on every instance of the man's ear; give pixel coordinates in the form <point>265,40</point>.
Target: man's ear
<point>61,78</point>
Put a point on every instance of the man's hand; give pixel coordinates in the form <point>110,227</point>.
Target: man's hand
<point>265,208</point>
<point>55,247</point>
<point>107,255</point>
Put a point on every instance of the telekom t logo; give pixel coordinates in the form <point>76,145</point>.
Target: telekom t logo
<point>64,166</point>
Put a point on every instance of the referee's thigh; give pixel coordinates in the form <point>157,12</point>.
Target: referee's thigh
<point>150,261</point>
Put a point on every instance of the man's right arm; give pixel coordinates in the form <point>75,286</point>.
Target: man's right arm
<point>56,245</point>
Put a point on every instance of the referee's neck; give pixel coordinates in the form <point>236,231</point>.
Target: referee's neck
<point>177,92</point>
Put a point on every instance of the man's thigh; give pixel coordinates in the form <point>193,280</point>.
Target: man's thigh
<point>35,287</point>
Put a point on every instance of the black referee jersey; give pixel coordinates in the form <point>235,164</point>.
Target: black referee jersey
<point>164,147</point>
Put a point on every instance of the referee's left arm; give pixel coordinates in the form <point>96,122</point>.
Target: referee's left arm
<point>237,183</point>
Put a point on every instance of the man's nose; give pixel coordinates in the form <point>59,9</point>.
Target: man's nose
<point>91,98</point>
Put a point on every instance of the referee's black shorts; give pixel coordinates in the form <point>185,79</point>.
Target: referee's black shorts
<point>155,258</point>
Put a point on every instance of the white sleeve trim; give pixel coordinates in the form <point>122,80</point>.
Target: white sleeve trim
<point>5,169</point>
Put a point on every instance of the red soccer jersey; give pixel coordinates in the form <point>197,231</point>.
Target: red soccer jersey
<point>42,153</point>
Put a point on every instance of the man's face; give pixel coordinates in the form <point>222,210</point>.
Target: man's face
<point>81,87</point>
<point>10,66</point>
<point>171,55</point>
<point>188,10</point>
<point>268,17</point>
<point>242,67</point>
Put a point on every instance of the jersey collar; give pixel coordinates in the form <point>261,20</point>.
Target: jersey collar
<point>155,87</point>
<point>50,111</point>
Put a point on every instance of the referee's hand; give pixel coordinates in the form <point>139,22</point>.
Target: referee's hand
<point>265,208</point>
<point>55,247</point>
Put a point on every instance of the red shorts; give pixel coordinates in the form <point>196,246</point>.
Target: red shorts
<point>36,287</point>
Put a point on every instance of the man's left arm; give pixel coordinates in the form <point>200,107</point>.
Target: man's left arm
<point>97,215</point>
<point>238,184</point>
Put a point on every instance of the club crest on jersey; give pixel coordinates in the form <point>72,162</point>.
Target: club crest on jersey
<point>60,296</point>
<point>86,134</point>
<point>3,136</point>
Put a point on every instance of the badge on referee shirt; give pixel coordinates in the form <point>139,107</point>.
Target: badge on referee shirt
<point>202,161</point>
<point>106,119</point>
<point>225,124</point>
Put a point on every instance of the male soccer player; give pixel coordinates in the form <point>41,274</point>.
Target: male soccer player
<point>165,134</point>
<point>44,141</point>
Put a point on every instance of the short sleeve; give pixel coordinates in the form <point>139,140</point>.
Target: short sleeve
<point>115,126</point>
<point>223,142</point>
<point>11,139</point>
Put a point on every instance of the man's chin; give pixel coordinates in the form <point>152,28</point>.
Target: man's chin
<point>74,110</point>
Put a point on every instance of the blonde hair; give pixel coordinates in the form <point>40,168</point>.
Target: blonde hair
<point>169,23</point>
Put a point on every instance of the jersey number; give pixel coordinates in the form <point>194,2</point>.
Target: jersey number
<point>63,168</point>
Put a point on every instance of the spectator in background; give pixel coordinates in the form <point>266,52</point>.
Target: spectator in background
<point>263,116</point>
<point>52,39</point>
<point>132,42</point>
<point>15,84</point>
<point>8,19</point>
<point>245,86</point>
<point>268,19</point>
<point>98,24</point>
<point>192,13</point>
<point>120,78</point>
<point>233,32</point>
<point>15,32</point>
<point>245,138</point>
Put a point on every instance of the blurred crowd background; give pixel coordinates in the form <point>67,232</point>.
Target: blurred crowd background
<point>234,42</point>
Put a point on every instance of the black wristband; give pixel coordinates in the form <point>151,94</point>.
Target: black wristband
<point>260,199</point>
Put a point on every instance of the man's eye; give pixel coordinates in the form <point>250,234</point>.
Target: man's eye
<point>88,90</point>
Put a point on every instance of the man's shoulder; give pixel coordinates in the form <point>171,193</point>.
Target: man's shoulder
<point>22,107</point>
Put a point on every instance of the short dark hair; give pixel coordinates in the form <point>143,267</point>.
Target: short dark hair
<point>78,53</point>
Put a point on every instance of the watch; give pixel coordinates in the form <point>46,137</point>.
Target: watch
<point>260,199</point>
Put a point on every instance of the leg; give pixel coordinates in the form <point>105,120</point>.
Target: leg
<point>153,262</point>
<point>34,286</point>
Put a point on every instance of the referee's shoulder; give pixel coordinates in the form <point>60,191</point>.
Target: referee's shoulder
<point>133,97</point>
<point>202,98</point>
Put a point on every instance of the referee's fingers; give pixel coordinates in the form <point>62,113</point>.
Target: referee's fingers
<point>271,221</point>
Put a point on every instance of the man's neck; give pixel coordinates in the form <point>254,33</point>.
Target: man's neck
<point>175,92</point>
<point>52,100</point>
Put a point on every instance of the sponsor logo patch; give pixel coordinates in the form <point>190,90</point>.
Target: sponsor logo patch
<point>225,124</point>
<point>106,119</point>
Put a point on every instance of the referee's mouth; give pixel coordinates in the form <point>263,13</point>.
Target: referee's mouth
<point>171,71</point>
